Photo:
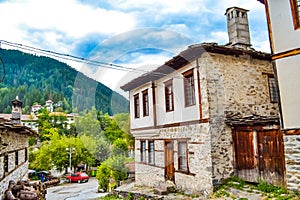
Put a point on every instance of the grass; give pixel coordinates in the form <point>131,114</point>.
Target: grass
<point>269,191</point>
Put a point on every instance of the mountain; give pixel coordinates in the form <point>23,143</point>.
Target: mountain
<point>35,79</point>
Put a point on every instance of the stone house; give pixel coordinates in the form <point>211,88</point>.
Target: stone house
<point>13,148</point>
<point>207,114</point>
<point>283,19</point>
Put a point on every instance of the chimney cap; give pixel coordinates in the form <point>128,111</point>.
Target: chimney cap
<point>235,8</point>
<point>17,101</point>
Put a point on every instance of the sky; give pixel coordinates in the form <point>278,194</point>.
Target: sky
<point>129,34</point>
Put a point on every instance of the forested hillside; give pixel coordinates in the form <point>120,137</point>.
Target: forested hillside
<point>35,79</point>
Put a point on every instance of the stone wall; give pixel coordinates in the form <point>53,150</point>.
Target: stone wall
<point>198,178</point>
<point>236,86</point>
<point>17,144</point>
<point>14,140</point>
<point>292,161</point>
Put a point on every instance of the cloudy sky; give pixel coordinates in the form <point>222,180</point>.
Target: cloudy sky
<point>138,34</point>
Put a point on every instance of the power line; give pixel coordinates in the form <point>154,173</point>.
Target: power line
<point>81,60</point>
<point>74,58</point>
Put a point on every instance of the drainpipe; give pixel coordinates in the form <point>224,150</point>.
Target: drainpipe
<point>154,105</point>
<point>199,89</point>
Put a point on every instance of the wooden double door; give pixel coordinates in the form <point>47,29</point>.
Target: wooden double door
<point>259,155</point>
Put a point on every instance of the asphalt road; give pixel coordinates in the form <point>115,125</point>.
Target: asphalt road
<point>75,191</point>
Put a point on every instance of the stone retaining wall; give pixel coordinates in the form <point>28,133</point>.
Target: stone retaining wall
<point>292,160</point>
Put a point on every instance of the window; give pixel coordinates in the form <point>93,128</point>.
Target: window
<point>151,152</point>
<point>143,151</point>
<point>182,156</point>
<point>145,103</point>
<point>16,158</point>
<point>295,6</point>
<point>169,96</point>
<point>273,90</point>
<point>136,106</point>
<point>189,88</point>
<point>6,163</point>
<point>26,154</point>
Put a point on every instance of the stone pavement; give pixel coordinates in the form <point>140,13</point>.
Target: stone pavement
<point>137,192</point>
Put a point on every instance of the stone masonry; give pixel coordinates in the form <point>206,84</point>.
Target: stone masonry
<point>230,85</point>
<point>292,160</point>
<point>236,86</point>
<point>200,165</point>
<point>13,154</point>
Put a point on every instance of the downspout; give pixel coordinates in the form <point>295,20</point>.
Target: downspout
<point>154,105</point>
<point>199,90</point>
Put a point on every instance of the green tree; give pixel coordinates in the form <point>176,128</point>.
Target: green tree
<point>102,149</point>
<point>53,153</point>
<point>123,121</point>
<point>87,123</point>
<point>111,171</point>
<point>120,147</point>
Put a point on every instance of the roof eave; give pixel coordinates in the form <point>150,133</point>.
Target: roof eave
<point>261,1</point>
<point>189,55</point>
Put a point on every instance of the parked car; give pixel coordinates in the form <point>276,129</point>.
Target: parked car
<point>78,177</point>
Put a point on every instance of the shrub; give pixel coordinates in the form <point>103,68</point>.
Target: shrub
<point>103,174</point>
<point>111,171</point>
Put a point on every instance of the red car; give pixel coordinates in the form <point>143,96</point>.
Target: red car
<point>78,177</point>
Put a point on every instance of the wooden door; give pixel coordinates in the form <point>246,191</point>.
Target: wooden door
<point>259,155</point>
<point>246,165</point>
<point>169,161</point>
<point>271,159</point>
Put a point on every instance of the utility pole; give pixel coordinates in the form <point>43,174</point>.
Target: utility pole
<point>70,150</point>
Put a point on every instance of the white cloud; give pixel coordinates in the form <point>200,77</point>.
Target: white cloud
<point>220,37</point>
<point>162,7</point>
<point>52,20</point>
<point>143,64</point>
<point>62,26</point>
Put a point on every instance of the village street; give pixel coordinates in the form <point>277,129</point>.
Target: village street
<point>75,191</point>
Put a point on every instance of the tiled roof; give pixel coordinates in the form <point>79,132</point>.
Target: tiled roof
<point>190,54</point>
<point>17,128</point>
<point>23,117</point>
<point>251,120</point>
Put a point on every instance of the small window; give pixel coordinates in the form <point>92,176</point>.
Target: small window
<point>26,154</point>
<point>273,90</point>
<point>136,106</point>
<point>6,163</point>
<point>145,103</point>
<point>182,156</point>
<point>143,151</point>
<point>16,158</point>
<point>151,152</point>
<point>295,6</point>
<point>169,96</point>
<point>189,88</point>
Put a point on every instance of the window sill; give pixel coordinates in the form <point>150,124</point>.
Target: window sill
<point>185,172</point>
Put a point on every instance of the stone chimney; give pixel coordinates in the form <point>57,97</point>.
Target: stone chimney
<point>16,112</point>
<point>238,27</point>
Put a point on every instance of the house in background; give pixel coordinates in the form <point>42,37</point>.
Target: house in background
<point>31,120</point>
<point>13,148</point>
<point>207,114</point>
<point>283,18</point>
<point>27,120</point>
<point>63,118</point>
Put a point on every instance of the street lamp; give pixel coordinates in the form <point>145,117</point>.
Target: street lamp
<point>70,150</point>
